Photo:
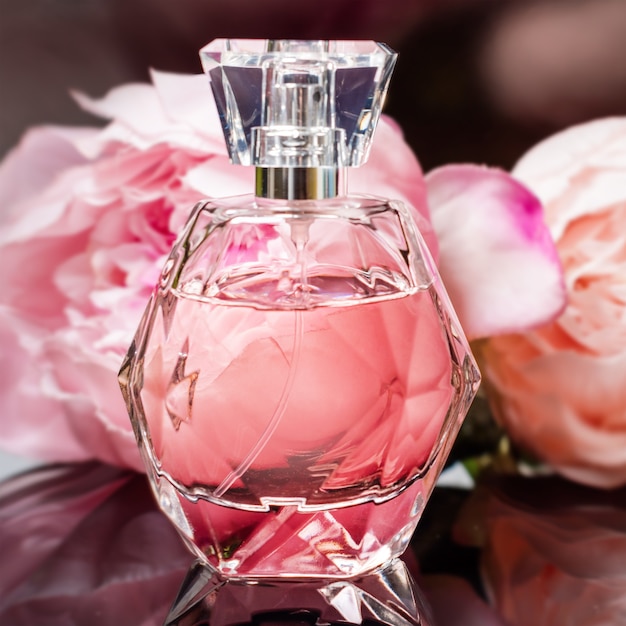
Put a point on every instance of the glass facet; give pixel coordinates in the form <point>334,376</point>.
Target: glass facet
<point>387,597</point>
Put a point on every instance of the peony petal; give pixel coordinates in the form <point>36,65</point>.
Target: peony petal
<point>497,258</point>
<point>83,383</point>
<point>559,389</point>
<point>32,424</point>
<point>147,115</point>
<point>218,177</point>
<point>577,172</point>
<point>42,155</point>
<point>598,144</point>
<point>187,99</point>
<point>82,249</point>
<point>135,105</point>
<point>553,407</point>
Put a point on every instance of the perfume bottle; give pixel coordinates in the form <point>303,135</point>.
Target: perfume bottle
<point>299,375</point>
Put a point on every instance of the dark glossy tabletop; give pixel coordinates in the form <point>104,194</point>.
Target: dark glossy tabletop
<point>86,544</point>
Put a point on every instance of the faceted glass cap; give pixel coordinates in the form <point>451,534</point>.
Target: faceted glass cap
<point>294,103</point>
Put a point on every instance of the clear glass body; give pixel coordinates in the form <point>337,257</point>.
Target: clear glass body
<point>296,383</point>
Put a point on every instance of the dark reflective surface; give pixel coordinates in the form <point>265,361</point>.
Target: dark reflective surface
<point>388,597</point>
<point>85,544</point>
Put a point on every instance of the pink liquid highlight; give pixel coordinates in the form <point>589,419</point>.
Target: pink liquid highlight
<point>286,432</point>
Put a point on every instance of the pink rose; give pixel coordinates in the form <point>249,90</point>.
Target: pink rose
<point>89,217</point>
<point>561,390</point>
<point>554,553</point>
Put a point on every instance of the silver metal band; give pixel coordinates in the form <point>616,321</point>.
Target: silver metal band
<point>297,183</point>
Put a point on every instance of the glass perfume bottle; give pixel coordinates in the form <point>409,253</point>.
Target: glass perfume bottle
<point>299,375</point>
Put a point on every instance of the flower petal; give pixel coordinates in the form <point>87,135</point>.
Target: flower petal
<point>146,115</point>
<point>187,99</point>
<point>577,172</point>
<point>135,105</point>
<point>43,154</point>
<point>83,241</point>
<point>553,552</point>
<point>497,258</point>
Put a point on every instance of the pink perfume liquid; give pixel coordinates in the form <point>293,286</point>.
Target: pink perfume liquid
<point>295,440</point>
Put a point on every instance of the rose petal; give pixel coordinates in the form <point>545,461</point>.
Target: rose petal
<point>577,172</point>
<point>497,258</point>
<point>187,100</point>
<point>34,163</point>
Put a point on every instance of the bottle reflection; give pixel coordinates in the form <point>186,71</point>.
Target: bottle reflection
<point>86,545</point>
<point>388,596</point>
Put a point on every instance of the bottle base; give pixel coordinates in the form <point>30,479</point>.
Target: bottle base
<point>386,596</point>
<point>287,543</point>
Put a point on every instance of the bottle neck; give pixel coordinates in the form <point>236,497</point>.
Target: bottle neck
<point>299,183</point>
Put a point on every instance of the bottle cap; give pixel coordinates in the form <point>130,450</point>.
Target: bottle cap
<point>298,104</point>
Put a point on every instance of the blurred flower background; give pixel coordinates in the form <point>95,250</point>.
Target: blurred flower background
<point>477,81</point>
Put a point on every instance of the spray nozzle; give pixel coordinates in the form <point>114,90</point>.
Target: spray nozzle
<point>298,94</point>
<point>298,121</point>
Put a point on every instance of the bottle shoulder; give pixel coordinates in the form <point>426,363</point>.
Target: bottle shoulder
<point>244,205</point>
<point>300,254</point>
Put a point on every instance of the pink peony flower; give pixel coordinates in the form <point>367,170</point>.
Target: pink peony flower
<point>89,217</point>
<point>554,553</point>
<point>561,389</point>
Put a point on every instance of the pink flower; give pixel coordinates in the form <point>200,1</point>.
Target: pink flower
<point>561,389</point>
<point>497,258</point>
<point>90,216</point>
<point>554,553</point>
